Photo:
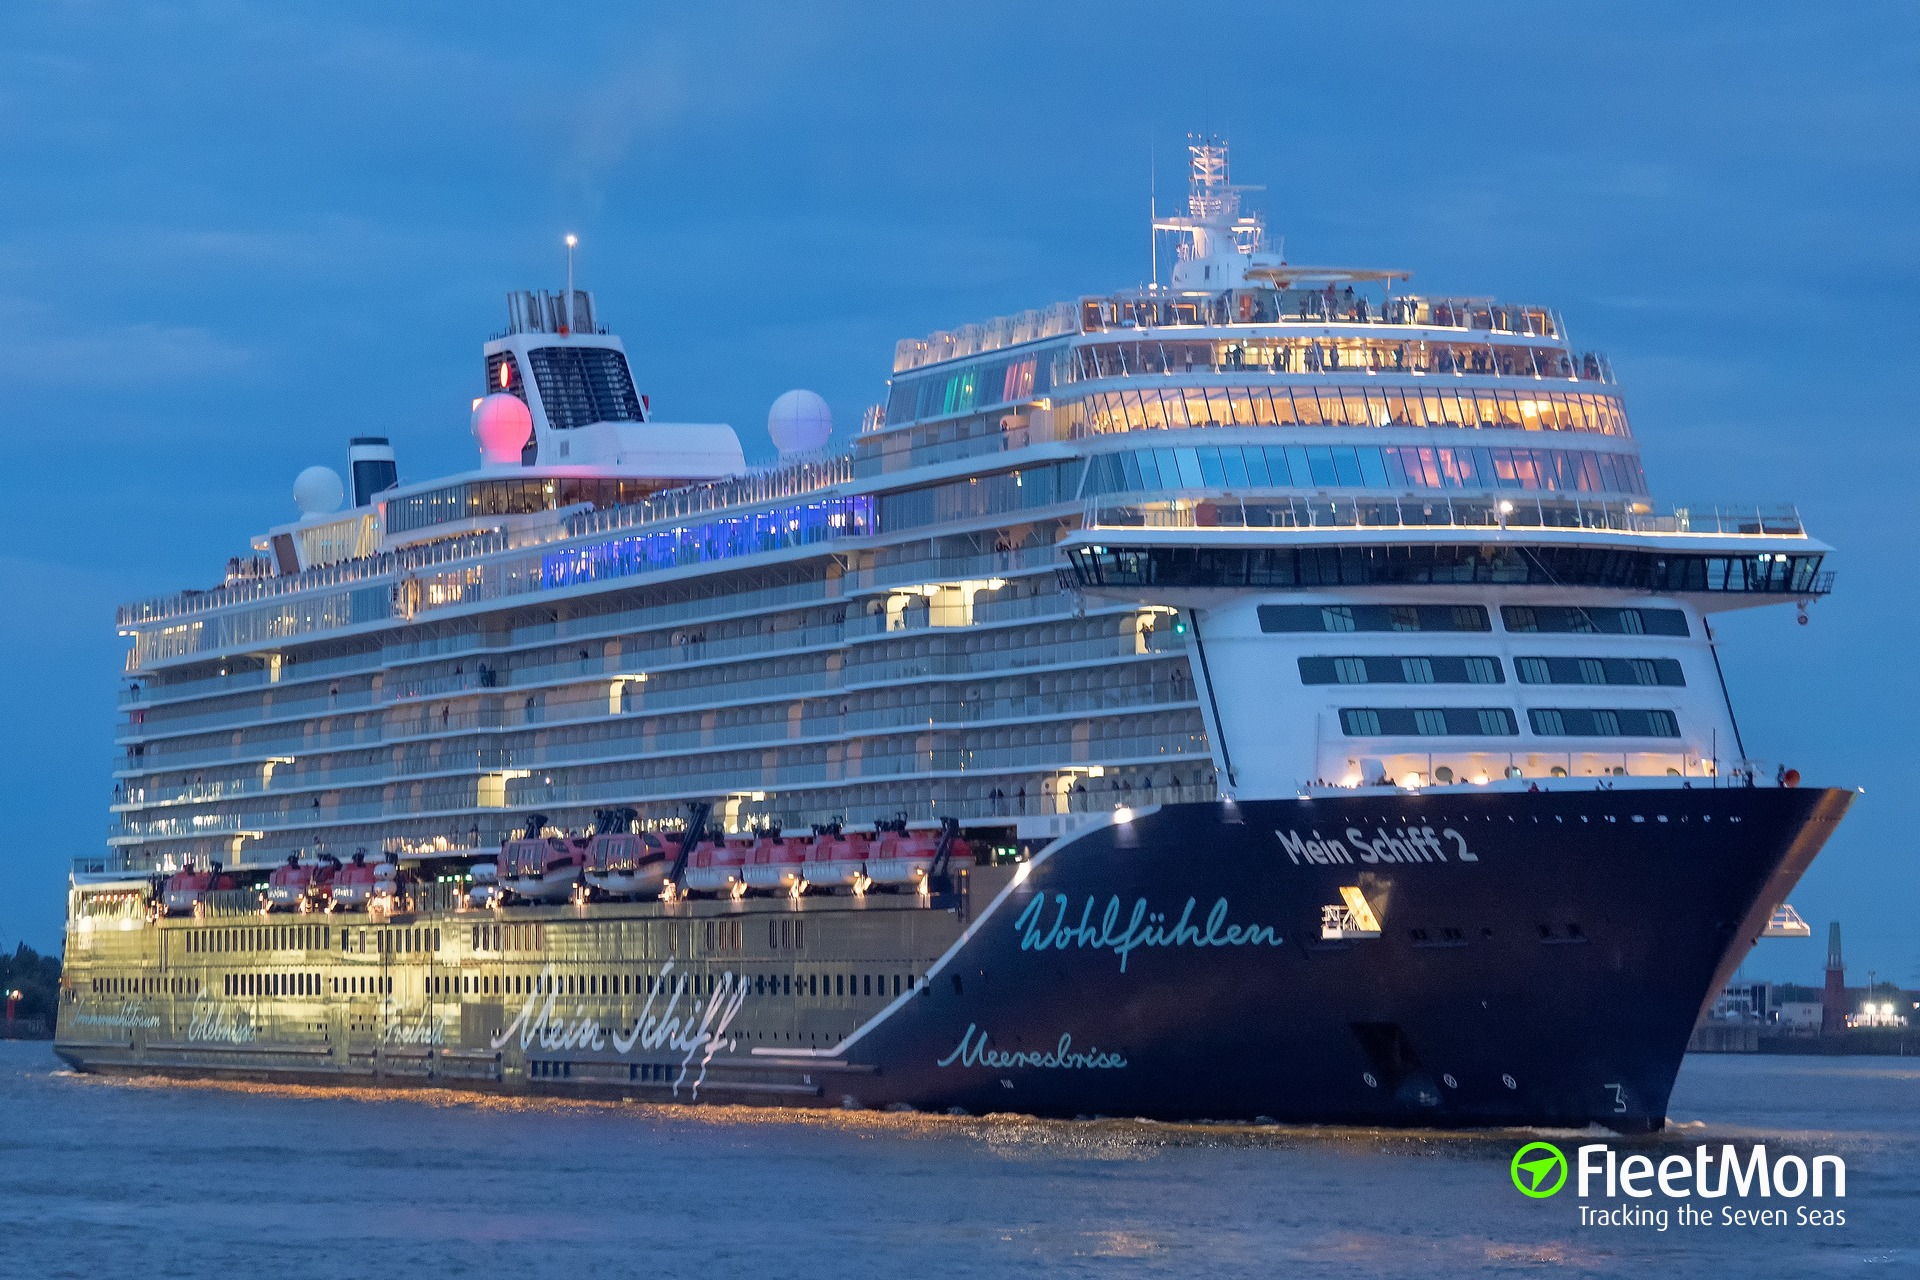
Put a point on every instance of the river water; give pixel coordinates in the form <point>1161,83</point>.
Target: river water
<point>145,1178</point>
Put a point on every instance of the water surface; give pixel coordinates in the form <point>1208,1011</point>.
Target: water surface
<point>104,1176</point>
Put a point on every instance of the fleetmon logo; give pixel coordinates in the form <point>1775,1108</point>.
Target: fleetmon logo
<point>1539,1169</point>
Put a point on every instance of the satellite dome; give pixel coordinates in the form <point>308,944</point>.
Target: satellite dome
<point>799,422</point>
<point>501,425</point>
<point>318,490</point>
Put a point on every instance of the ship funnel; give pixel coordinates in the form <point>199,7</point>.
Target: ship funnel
<point>371,463</point>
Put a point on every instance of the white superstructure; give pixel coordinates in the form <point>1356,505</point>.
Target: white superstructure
<point>1264,530</point>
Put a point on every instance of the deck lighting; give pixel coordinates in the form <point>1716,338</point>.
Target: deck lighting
<point>1411,781</point>
<point>1123,814</point>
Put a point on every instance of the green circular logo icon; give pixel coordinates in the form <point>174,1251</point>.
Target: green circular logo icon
<point>1539,1169</point>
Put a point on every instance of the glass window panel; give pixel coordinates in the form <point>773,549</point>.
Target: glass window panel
<point>1189,468</point>
<point>1260,406</point>
<point>1212,474</point>
<point>1487,408</point>
<point>1346,467</point>
<point>1333,412</point>
<point>1510,415</point>
<point>1373,469</point>
<point>1377,413</point>
<point>1256,464</point>
<point>1219,411</point>
<point>1396,471</point>
<point>1358,413</point>
<point>1153,407</point>
<point>1169,461</point>
<point>1504,475</point>
<point>1456,467</point>
<point>1449,410</point>
<point>1307,406</point>
<point>1297,465</point>
<point>1283,407</point>
<point>1175,402</point>
<point>1241,406</point>
<point>1130,471</point>
<point>1396,403</point>
<point>1149,466</point>
<point>1235,465</point>
<point>1197,411</point>
<point>1320,465</point>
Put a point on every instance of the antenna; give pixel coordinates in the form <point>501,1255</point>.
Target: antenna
<point>572,240</point>
<point>1153,211</point>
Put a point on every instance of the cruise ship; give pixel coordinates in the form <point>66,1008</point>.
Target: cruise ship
<point>1266,694</point>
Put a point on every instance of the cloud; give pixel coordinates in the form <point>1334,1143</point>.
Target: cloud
<point>37,351</point>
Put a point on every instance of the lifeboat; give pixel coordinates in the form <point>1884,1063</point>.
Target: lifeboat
<point>542,869</point>
<point>628,864</point>
<point>776,865</point>
<point>901,859</point>
<point>288,887</point>
<point>352,887</point>
<point>717,868</point>
<point>485,893</point>
<point>837,861</point>
<point>186,890</point>
<point>390,886</point>
<point>320,889</point>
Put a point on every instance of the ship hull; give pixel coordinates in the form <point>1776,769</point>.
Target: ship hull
<point>1541,959</point>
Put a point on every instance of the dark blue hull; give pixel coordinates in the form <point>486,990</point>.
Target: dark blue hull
<point>1541,959</point>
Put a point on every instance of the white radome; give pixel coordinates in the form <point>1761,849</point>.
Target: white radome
<point>799,422</point>
<point>318,490</point>
<point>501,426</point>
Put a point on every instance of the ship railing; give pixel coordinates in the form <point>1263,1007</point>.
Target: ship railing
<point>727,496</point>
<point>387,564</point>
<point>1261,304</point>
<point>1229,511</point>
<point>989,803</point>
<point>1166,356</point>
<point>901,573</point>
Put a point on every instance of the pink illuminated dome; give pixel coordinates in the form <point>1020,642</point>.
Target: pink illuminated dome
<point>501,425</point>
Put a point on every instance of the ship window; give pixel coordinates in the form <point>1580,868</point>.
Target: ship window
<point>583,385</point>
<point>1367,722</point>
<point>1592,620</point>
<point>1424,669</point>
<point>1585,722</point>
<point>1285,618</point>
<point>1665,672</point>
